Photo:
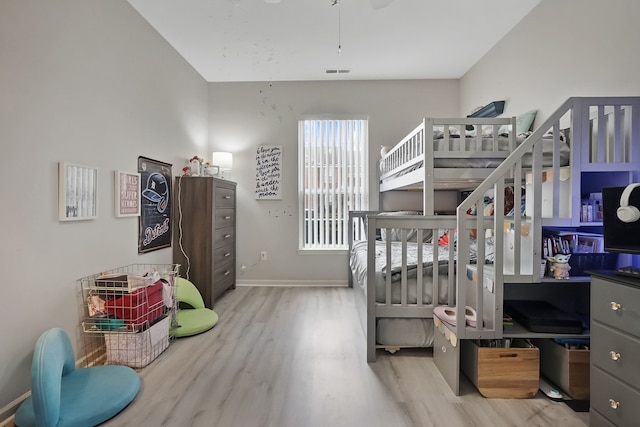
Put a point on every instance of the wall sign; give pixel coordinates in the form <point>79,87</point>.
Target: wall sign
<point>127,193</point>
<point>268,172</point>
<point>154,225</point>
<point>77,192</point>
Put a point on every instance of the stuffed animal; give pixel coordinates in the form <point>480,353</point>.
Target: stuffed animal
<point>560,266</point>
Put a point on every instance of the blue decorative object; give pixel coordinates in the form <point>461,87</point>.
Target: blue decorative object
<point>62,395</point>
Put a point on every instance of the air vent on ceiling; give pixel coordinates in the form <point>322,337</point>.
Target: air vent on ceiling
<point>337,71</point>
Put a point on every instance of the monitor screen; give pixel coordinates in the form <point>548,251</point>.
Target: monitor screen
<point>620,236</point>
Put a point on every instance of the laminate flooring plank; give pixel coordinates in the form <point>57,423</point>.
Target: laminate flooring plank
<point>296,357</point>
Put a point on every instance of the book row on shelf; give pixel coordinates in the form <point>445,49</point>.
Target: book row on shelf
<point>571,242</point>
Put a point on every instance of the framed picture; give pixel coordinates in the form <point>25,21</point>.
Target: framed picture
<point>77,192</point>
<point>127,193</point>
<point>154,223</point>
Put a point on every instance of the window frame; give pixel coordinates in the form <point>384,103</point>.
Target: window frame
<point>363,181</point>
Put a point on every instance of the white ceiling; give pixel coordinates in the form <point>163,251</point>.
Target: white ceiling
<point>296,40</point>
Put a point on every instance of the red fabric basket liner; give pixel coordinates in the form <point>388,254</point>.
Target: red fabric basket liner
<point>138,308</point>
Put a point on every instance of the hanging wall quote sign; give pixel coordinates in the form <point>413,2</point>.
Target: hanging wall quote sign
<point>268,172</point>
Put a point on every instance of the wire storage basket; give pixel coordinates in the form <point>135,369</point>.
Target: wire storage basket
<point>128,313</point>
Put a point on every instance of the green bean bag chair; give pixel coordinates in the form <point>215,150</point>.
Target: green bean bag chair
<point>195,320</point>
<point>62,395</point>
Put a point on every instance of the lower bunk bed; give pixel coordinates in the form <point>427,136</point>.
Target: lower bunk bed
<point>395,288</point>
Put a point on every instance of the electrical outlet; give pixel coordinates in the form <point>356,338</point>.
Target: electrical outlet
<point>263,256</point>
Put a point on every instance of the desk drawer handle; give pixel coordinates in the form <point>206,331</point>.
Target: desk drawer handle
<point>226,273</point>
<point>226,236</point>
<point>614,404</point>
<point>227,197</point>
<point>615,356</point>
<point>227,254</point>
<point>615,306</point>
<point>227,217</point>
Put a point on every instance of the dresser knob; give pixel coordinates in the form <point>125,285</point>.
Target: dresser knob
<point>615,306</point>
<point>615,356</point>
<point>227,217</point>
<point>226,236</point>
<point>227,254</point>
<point>226,273</point>
<point>227,197</point>
<point>614,404</point>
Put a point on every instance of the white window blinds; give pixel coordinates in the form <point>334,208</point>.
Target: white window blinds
<point>333,179</point>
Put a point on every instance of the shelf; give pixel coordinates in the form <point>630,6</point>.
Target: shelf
<point>518,331</point>
<point>571,279</point>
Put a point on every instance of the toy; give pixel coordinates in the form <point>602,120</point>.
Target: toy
<point>560,266</point>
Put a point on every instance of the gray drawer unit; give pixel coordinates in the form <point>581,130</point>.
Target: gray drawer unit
<point>615,350</point>
<point>447,358</point>
<point>616,304</point>
<point>616,353</point>
<point>615,400</point>
<point>204,242</point>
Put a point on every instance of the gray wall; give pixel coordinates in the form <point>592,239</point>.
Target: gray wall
<point>245,115</point>
<point>562,48</point>
<point>90,83</point>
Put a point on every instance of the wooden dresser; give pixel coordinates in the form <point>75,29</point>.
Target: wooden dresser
<point>204,212</point>
<point>615,350</point>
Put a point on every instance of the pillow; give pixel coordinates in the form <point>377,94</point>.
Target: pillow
<point>487,131</point>
<point>395,234</point>
<point>524,123</point>
<point>438,131</point>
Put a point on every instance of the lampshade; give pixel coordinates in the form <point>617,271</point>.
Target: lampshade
<point>222,159</point>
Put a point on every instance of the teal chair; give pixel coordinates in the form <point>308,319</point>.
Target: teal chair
<point>195,318</point>
<point>62,395</point>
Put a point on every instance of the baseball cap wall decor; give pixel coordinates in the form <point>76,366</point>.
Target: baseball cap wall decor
<point>154,230</point>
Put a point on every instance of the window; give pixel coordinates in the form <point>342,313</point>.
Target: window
<point>333,179</point>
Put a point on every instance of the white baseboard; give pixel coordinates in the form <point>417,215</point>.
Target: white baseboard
<point>9,410</point>
<point>294,283</point>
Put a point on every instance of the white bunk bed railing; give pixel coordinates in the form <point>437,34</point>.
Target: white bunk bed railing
<point>604,135</point>
<point>415,154</point>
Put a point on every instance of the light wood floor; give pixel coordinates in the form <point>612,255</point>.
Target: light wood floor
<point>295,357</point>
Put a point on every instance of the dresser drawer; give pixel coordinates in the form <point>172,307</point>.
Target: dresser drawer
<point>223,271</point>
<point>221,284</point>
<point>224,218</point>
<point>225,197</point>
<point>612,304</point>
<point>614,400</point>
<point>223,254</point>
<point>224,236</point>
<point>607,345</point>
<point>597,420</point>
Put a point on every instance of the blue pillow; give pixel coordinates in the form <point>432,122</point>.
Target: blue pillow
<point>524,122</point>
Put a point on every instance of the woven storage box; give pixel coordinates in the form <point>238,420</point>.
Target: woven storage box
<point>139,349</point>
<point>503,373</point>
<point>566,368</point>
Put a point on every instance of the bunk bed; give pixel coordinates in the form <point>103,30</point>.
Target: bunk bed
<point>487,156</point>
